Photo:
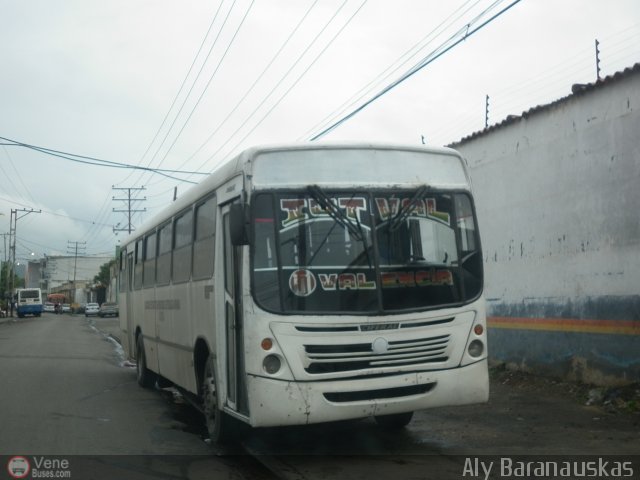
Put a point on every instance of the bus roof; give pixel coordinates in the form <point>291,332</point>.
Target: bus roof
<point>358,165</point>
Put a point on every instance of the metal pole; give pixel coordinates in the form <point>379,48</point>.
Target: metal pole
<point>597,60</point>
<point>486,111</point>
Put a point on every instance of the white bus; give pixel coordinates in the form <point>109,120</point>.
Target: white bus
<point>310,283</point>
<point>29,302</point>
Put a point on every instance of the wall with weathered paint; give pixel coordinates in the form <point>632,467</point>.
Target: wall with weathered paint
<point>558,200</point>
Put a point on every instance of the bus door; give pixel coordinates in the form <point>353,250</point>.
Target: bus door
<point>129,312</point>
<point>232,366</point>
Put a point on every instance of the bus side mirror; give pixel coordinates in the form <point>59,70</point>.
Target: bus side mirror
<point>238,225</point>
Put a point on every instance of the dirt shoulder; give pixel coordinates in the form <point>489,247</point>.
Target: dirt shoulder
<point>527,414</point>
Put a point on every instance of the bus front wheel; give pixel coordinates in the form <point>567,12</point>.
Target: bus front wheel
<point>394,421</point>
<point>146,378</point>
<point>216,420</point>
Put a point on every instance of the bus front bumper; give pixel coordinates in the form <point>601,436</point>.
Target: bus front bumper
<point>278,403</point>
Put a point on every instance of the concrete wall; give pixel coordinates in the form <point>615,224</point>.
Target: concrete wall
<point>59,270</point>
<point>558,200</point>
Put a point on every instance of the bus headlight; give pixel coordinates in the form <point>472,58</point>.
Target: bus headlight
<point>271,364</point>
<point>476,348</point>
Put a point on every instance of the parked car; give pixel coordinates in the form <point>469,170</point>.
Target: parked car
<point>108,309</point>
<point>66,308</point>
<point>91,309</point>
<point>49,307</point>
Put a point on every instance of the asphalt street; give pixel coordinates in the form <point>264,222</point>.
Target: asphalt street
<point>69,392</point>
<point>66,391</point>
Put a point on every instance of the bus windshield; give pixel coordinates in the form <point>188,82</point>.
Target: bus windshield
<point>364,252</point>
<point>34,294</point>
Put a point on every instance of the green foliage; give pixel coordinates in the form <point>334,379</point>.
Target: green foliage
<point>104,276</point>
<point>5,283</point>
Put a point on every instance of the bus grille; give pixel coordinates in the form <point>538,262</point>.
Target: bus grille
<point>359,356</point>
<point>380,394</point>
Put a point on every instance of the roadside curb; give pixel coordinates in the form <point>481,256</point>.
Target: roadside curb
<point>106,328</point>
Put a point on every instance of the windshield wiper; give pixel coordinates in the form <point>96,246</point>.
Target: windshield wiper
<point>334,212</point>
<point>405,210</point>
<point>355,230</point>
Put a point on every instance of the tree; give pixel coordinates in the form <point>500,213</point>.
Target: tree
<point>104,277</point>
<point>5,281</point>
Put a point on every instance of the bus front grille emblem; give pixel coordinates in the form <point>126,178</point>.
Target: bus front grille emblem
<point>380,346</point>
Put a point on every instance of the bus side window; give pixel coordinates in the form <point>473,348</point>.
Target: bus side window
<point>163,273</point>
<point>203,247</point>
<point>137,281</point>
<point>182,247</point>
<point>149,273</point>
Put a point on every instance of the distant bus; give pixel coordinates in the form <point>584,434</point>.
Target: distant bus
<point>311,283</point>
<point>29,302</point>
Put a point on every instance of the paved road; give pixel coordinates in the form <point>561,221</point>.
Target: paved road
<point>65,392</point>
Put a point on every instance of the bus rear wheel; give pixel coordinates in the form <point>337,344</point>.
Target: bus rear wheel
<point>394,421</point>
<point>146,378</point>
<point>216,420</point>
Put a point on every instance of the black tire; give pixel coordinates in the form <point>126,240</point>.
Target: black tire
<point>394,421</point>
<point>146,378</point>
<point>217,422</point>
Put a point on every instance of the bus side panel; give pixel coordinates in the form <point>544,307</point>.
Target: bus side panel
<point>164,332</point>
<point>183,328</point>
<point>175,348</point>
<point>145,316</point>
<point>127,335</point>
<point>202,300</point>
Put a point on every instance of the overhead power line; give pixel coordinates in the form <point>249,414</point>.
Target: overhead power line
<point>296,81</point>
<point>255,82</point>
<point>92,222</point>
<point>195,80</point>
<point>130,200</point>
<point>206,87</point>
<point>84,159</point>
<point>391,70</point>
<point>462,35</point>
<point>184,82</point>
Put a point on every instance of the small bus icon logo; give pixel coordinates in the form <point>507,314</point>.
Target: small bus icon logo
<point>18,467</point>
<point>302,283</point>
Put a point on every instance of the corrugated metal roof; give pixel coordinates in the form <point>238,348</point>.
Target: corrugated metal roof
<point>576,89</point>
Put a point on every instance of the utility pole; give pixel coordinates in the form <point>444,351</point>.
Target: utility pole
<point>13,226</point>
<point>597,59</point>
<point>5,284</point>
<point>486,111</point>
<point>72,248</point>
<point>129,210</point>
